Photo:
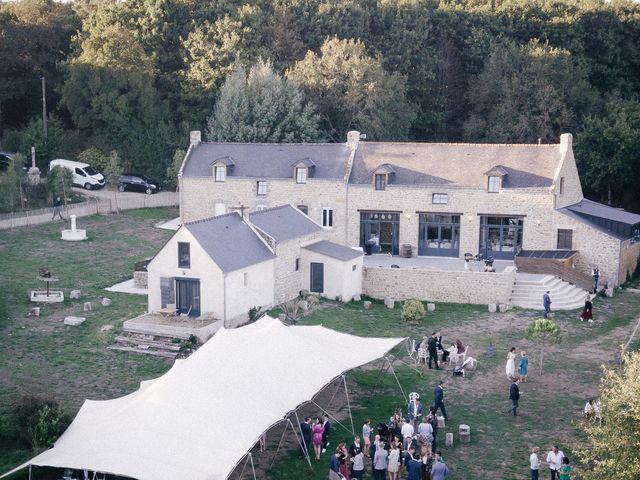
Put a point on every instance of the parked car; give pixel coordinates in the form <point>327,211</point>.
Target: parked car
<point>84,175</point>
<point>5,160</point>
<point>138,183</point>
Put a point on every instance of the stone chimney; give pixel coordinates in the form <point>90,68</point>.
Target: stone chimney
<point>566,142</point>
<point>353,138</point>
<point>195,137</point>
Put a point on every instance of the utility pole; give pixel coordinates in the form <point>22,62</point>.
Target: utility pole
<point>44,109</point>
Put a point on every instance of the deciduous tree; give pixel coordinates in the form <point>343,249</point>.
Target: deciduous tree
<point>544,331</point>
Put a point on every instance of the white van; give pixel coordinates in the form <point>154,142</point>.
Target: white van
<point>84,175</point>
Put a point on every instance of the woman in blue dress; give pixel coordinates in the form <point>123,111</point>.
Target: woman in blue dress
<point>523,366</point>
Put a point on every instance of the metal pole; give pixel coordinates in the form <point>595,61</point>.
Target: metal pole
<point>44,109</point>
<point>286,425</point>
<point>252,467</point>
<point>346,391</point>
<point>305,449</point>
<point>396,377</point>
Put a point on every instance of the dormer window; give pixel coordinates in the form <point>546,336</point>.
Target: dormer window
<point>301,174</point>
<point>220,173</point>
<point>221,168</point>
<point>496,178</point>
<point>382,176</point>
<point>495,182</point>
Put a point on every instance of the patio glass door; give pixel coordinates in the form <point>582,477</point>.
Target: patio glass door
<point>188,296</point>
<point>439,235</point>
<point>381,228</point>
<point>500,236</point>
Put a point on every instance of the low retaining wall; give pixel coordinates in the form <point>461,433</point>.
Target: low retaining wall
<point>91,207</point>
<point>439,286</point>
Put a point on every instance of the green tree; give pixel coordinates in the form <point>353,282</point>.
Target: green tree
<point>412,310</point>
<point>544,331</point>
<point>59,182</point>
<point>46,149</point>
<point>607,153</point>
<point>171,180</point>
<point>261,106</point>
<point>10,189</point>
<point>354,92</point>
<point>612,446</point>
<point>112,175</point>
<point>527,93</point>
<point>94,157</point>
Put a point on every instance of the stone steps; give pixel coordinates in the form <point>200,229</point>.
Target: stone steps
<point>528,291</point>
<point>145,344</point>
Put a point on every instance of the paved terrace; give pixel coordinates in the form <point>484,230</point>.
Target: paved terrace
<point>431,263</point>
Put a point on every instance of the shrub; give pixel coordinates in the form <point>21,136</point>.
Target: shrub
<point>412,310</point>
<point>41,421</point>
<point>94,157</point>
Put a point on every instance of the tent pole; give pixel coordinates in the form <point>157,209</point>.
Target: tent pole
<point>331,416</point>
<point>346,392</point>
<point>412,367</point>
<point>253,469</point>
<point>245,464</point>
<point>29,472</point>
<point>382,370</point>
<point>396,377</point>
<point>286,425</point>
<point>332,396</point>
<point>305,450</point>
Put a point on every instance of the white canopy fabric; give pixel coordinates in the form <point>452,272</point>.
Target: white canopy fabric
<point>201,418</point>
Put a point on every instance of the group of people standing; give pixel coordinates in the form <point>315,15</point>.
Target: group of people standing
<point>559,464</point>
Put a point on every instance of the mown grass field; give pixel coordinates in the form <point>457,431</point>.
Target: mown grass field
<point>40,356</point>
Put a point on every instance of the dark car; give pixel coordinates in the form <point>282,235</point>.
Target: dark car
<point>138,183</point>
<point>5,160</point>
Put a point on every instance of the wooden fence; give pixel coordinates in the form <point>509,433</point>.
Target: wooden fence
<point>93,206</point>
<point>557,268</point>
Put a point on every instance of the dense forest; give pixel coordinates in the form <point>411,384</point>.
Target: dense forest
<point>136,76</point>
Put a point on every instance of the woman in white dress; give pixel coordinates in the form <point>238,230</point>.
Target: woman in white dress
<point>394,462</point>
<point>511,363</point>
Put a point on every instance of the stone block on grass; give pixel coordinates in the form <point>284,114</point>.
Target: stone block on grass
<point>75,294</point>
<point>87,306</point>
<point>366,304</point>
<point>492,308</point>
<point>448,439</point>
<point>431,307</point>
<point>389,302</point>
<point>74,321</point>
<point>357,298</point>
<point>105,302</point>
<point>503,307</point>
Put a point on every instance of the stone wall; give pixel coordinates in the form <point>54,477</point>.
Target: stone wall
<point>629,253</point>
<point>439,286</point>
<point>288,280</point>
<point>535,204</point>
<point>140,279</point>
<point>572,190</point>
<point>199,196</point>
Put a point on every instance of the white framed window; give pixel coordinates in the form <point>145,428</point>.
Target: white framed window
<point>220,173</point>
<point>261,187</point>
<point>380,181</point>
<point>440,198</point>
<point>301,174</point>
<point>303,208</point>
<point>327,217</point>
<point>494,184</point>
<point>261,207</point>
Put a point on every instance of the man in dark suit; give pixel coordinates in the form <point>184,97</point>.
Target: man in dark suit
<point>305,428</point>
<point>438,400</point>
<point>325,433</point>
<point>514,395</point>
<point>432,346</point>
<point>414,409</point>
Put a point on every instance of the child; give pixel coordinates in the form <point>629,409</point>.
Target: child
<point>366,435</point>
<point>523,366</point>
<point>565,471</point>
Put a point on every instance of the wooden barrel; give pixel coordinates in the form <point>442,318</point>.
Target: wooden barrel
<point>405,250</point>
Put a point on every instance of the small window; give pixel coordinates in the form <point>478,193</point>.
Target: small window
<point>80,172</point>
<point>261,207</point>
<point>565,239</point>
<point>246,279</point>
<point>297,264</point>
<point>301,175</point>
<point>304,209</point>
<point>494,184</point>
<point>184,255</point>
<point>261,187</point>
<point>327,217</point>
<point>381,181</point>
<point>561,185</point>
<point>440,198</point>
<point>220,172</point>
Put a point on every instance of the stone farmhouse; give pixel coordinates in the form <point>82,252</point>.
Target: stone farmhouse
<point>420,208</point>
<point>223,266</point>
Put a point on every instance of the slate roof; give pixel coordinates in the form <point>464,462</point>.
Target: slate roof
<point>589,207</point>
<point>230,242</point>
<point>460,164</point>
<point>284,223</point>
<point>269,160</point>
<point>334,250</point>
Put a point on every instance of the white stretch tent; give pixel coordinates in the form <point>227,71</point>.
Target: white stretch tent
<point>201,418</point>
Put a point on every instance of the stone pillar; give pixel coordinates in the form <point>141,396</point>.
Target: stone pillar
<point>73,222</point>
<point>195,137</point>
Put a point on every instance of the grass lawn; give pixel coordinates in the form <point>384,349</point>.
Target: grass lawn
<point>40,356</point>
